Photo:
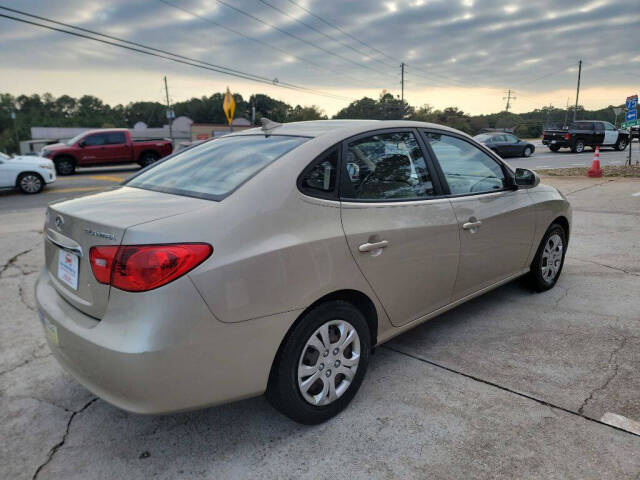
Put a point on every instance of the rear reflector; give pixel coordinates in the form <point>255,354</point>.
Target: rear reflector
<point>567,136</point>
<point>138,268</point>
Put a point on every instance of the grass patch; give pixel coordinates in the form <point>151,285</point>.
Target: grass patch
<point>607,171</point>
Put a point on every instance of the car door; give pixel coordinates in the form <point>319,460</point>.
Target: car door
<point>513,146</point>
<point>93,149</point>
<point>598,134</point>
<point>610,134</point>
<point>402,235</point>
<point>496,221</point>
<point>117,149</point>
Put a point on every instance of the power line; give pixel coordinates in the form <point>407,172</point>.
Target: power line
<point>300,39</point>
<point>178,58</point>
<point>311,27</point>
<point>258,41</point>
<point>550,74</point>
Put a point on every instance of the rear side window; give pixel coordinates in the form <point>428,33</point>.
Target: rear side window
<point>466,168</point>
<point>319,178</point>
<point>115,138</point>
<point>216,168</point>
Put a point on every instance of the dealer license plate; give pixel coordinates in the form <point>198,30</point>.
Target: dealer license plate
<point>68,268</point>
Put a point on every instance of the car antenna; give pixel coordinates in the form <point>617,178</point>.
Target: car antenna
<point>268,124</point>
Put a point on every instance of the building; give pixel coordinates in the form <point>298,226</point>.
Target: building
<point>204,131</point>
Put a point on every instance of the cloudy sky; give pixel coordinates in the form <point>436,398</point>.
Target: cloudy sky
<point>465,53</point>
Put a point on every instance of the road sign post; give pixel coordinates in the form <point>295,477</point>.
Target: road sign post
<point>229,107</point>
<point>631,119</point>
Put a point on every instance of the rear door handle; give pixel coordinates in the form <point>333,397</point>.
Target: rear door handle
<point>368,247</point>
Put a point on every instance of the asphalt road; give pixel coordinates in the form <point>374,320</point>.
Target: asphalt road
<point>512,384</point>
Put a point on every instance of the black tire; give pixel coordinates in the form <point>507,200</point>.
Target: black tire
<point>283,391</point>
<point>526,152</point>
<point>30,183</point>
<point>578,146</point>
<point>537,280</point>
<point>554,148</point>
<point>621,145</point>
<point>65,165</point>
<point>147,158</point>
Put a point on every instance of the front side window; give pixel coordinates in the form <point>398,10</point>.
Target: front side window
<point>215,168</point>
<point>387,166</point>
<point>319,179</point>
<point>94,140</point>
<point>466,168</point>
<point>511,138</point>
<point>608,126</point>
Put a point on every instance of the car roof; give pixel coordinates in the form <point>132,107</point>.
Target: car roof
<point>317,128</point>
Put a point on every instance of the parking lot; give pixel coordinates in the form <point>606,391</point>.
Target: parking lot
<point>510,385</point>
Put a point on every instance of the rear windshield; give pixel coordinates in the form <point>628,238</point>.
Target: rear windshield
<point>216,168</point>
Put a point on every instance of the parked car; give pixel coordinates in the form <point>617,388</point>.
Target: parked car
<point>586,133</point>
<point>273,260</point>
<point>506,144</point>
<point>104,147</point>
<point>26,173</point>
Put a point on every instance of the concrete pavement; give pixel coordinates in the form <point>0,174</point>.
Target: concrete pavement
<point>510,385</point>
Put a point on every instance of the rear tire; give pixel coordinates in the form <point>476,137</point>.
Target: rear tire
<point>527,152</point>
<point>308,385</point>
<point>549,260</point>
<point>30,183</point>
<point>621,145</point>
<point>578,146</point>
<point>147,158</point>
<point>554,148</point>
<point>65,166</point>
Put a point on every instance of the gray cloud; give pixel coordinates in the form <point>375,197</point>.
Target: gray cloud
<point>447,43</point>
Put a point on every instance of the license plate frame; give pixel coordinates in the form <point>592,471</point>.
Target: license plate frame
<point>68,268</point>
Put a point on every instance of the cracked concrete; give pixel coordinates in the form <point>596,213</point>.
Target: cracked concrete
<point>510,385</point>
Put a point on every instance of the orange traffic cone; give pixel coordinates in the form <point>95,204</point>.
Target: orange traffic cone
<point>595,170</point>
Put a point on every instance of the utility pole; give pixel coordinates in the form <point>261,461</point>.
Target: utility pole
<point>169,112</point>
<point>566,114</point>
<point>508,98</point>
<point>402,82</point>
<point>15,130</point>
<point>575,111</point>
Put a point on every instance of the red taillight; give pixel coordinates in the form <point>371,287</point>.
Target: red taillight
<point>567,136</point>
<point>138,268</point>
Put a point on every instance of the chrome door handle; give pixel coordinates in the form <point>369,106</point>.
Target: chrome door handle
<point>368,247</point>
<point>473,224</point>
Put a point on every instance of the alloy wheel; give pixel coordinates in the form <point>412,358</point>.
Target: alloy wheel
<point>30,183</point>
<point>328,362</point>
<point>551,258</point>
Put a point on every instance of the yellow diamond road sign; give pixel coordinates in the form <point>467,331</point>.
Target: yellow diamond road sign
<point>229,106</point>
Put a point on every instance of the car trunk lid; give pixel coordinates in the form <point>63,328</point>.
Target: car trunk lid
<point>73,227</point>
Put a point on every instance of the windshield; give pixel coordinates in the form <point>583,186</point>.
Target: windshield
<point>73,140</point>
<point>216,168</point>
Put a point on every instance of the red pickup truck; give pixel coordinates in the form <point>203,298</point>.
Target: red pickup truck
<point>104,147</point>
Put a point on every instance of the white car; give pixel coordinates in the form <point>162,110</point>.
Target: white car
<point>29,174</point>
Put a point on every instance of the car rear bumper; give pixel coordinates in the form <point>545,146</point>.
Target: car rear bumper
<point>558,143</point>
<point>155,364</point>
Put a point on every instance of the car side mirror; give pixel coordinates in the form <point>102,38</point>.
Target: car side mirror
<point>526,178</point>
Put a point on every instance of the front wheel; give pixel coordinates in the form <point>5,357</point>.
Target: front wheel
<point>65,166</point>
<point>621,145</point>
<point>30,183</point>
<point>321,364</point>
<point>549,260</point>
<point>527,152</point>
